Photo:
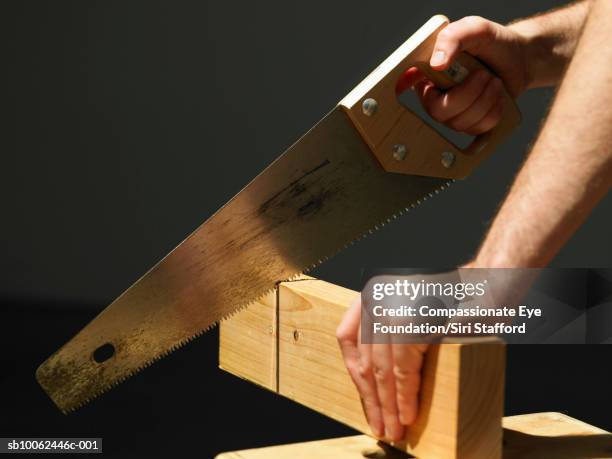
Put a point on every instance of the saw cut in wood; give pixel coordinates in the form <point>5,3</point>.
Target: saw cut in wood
<point>362,165</point>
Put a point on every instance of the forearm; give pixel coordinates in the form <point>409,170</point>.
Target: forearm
<point>570,167</point>
<point>550,41</point>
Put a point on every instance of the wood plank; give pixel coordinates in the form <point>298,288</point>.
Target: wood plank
<point>553,435</point>
<point>462,389</point>
<point>354,447</point>
<point>247,343</point>
<point>544,436</point>
<point>481,375</point>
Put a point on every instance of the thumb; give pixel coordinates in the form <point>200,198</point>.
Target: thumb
<point>472,34</point>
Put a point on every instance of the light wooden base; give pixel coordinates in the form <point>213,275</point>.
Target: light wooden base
<point>287,344</point>
<point>531,436</point>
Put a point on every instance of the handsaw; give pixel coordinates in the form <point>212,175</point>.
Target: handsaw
<point>366,162</point>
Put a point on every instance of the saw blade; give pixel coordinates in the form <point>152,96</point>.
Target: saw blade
<point>324,192</point>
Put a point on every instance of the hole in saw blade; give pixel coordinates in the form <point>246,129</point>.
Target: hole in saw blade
<point>410,100</point>
<point>104,352</point>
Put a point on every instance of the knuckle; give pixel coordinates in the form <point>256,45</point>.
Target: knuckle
<point>481,26</point>
<point>474,20</point>
<point>477,22</point>
<point>445,35</point>
<point>405,374</point>
<point>342,334</point>
<point>406,400</point>
<point>381,373</point>
<point>351,367</point>
<point>365,368</point>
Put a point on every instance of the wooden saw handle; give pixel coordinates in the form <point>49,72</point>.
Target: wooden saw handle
<point>400,140</point>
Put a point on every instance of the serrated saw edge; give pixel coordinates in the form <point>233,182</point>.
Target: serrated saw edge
<point>295,276</point>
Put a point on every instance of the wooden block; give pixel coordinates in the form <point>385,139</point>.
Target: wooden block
<point>553,435</point>
<point>311,370</point>
<point>462,389</point>
<point>531,436</point>
<point>247,343</point>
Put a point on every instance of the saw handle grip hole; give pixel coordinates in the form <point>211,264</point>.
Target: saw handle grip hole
<point>103,353</point>
<point>409,100</point>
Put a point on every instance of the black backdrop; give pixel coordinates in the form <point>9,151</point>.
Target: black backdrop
<point>127,123</point>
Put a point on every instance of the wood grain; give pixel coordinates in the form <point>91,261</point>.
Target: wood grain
<point>247,343</point>
<point>462,390</point>
<point>543,436</point>
<point>553,435</point>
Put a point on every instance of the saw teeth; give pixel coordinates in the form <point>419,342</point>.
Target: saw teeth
<point>161,355</point>
<point>185,341</point>
<point>399,213</point>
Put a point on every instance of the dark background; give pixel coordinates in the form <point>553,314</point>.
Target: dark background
<point>127,123</point>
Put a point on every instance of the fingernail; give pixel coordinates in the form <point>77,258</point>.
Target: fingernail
<point>405,420</point>
<point>438,58</point>
<point>396,436</point>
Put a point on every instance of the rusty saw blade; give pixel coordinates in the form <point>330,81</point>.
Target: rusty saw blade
<point>324,192</point>
<point>321,194</point>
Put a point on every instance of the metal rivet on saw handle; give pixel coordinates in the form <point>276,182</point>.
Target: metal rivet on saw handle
<point>448,159</point>
<point>369,107</point>
<point>399,151</point>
